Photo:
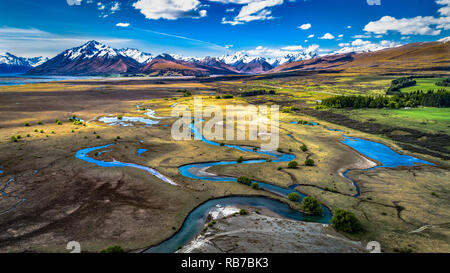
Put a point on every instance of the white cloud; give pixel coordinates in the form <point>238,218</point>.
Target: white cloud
<point>251,11</point>
<point>73,2</point>
<point>419,25</point>
<point>310,36</point>
<point>348,27</point>
<point>168,9</point>
<point>360,36</point>
<point>123,24</point>
<point>341,35</point>
<point>229,46</point>
<point>374,2</point>
<point>230,10</point>
<point>305,26</point>
<point>360,45</point>
<point>327,36</point>
<point>202,13</point>
<point>267,52</point>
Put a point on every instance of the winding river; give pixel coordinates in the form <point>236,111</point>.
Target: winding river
<point>195,221</point>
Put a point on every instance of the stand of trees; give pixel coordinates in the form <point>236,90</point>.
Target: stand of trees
<point>400,83</point>
<point>257,93</point>
<point>445,82</point>
<point>440,98</point>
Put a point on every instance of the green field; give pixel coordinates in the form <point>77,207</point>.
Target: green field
<point>431,120</point>
<point>425,84</point>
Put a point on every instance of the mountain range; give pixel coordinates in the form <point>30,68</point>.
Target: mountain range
<point>94,58</point>
<point>10,63</point>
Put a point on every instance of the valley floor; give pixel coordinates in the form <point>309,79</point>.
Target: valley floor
<point>49,197</point>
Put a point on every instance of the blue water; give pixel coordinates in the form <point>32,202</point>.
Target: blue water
<point>196,219</point>
<point>21,79</point>
<point>380,152</point>
<point>141,151</point>
<point>82,154</point>
<point>308,124</point>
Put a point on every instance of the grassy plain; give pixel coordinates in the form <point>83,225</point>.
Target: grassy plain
<point>69,199</point>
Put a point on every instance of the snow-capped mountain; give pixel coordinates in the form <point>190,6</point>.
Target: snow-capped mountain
<point>92,58</point>
<point>137,55</point>
<point>35,61</point>
<point>10,63</point>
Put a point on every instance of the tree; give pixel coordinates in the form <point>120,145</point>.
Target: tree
<point>345,221</point>
<point>311,205</point>
<point>309,162</point>
<point>293,196</point>
<point>255,186</point>
<point>292,165</point>
<point>244,180</point>
<point>304,148</point>
<point>240,159</point>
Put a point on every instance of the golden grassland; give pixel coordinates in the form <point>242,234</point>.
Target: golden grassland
<point>69,199</point>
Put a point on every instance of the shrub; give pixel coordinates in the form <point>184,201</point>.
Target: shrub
<point>97,136</point>
<point>293,196</point>
<point>41,131</point>
<point>292,165</point>
<point>345,221</point>
<point>26,124</point>
<point>244,180</point>
<point>227,96</point>
<point>36,130</point>
<point>113,249</point>
<point>13,139</point>
<point>119,117</point>
<point>304,148</point>
<point>255,186</point>
<point>39,122</point>
<point>58,122</point>
<point>28,135</point>
<point>118,137</point>
<point>309,162</point>
<point>240,159</point>
<point>19,136</point>
<point>279,168</point>
<point>242,212</point>
<point>311,205</point>
<point>222,144</point>
<point>279,150</point>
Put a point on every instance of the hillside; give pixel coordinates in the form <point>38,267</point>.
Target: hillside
<point>410,58</point>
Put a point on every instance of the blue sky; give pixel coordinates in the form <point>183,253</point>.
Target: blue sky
<point>216,27</point>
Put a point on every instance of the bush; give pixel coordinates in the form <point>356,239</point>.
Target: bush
<point>345,221</point>
<point>36,130</point>
<point>222,144</point>
<point>119,117</point>
<point>58,122</point>
<point>39,122</point>
<point>113,249</point>
<point>304,148</point>
<point>41,131</point>
<point>309,162</point>
<point>13,139</point>
<point>292,165</point>
<point>244,180</point>
<point>227,96</point>
<point>240,159</point>
<point>97,136</point>
<point>279,150</point>
<point>255,186</point>
<point>26,124</point>
<point>293,196</point>
<point>242,212</point>
<point>311,205</point>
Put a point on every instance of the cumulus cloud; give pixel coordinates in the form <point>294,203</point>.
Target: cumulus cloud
<point>327,36</point>
<point>251,11</point>
<point>123,24</point>
<point>419,25</point>
<point>360,45</point>
<point>169,9</point>
<point>311,36</point>
<point>305,26</point>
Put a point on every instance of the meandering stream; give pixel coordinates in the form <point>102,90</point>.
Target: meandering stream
<point>194,222</point>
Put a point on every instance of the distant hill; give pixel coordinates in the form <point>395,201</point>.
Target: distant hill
<point>10,63</point>
<point>414,57</point>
